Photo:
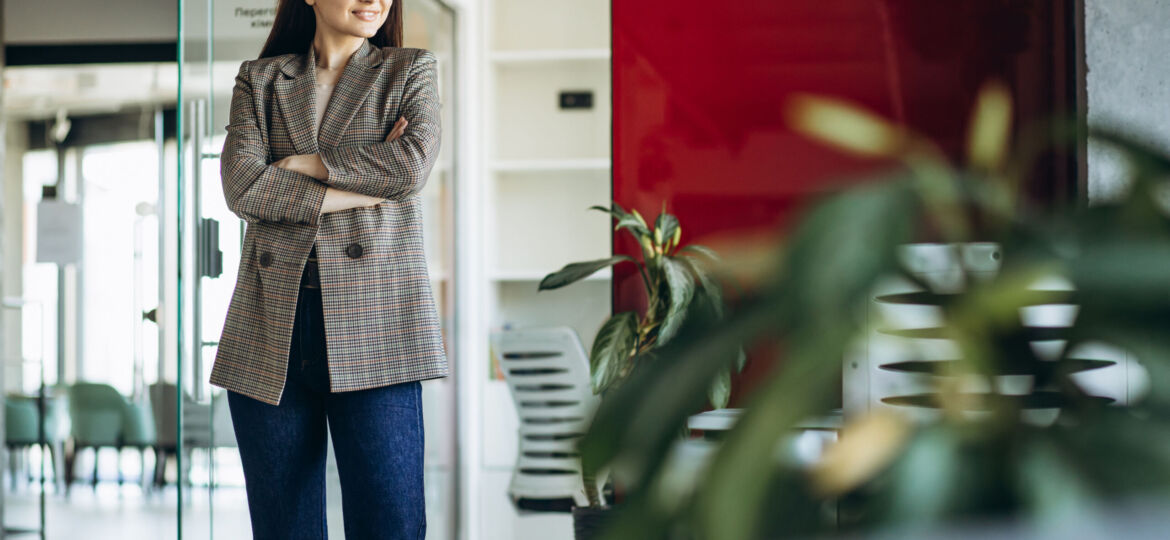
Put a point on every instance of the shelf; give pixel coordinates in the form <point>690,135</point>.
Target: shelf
<point>547,24</point>
<point>548,55</point>
<point>546,164</point>
<point>528,123</point>
<point>539,225</point>
<point>542,165</point>
<point>522,275</point>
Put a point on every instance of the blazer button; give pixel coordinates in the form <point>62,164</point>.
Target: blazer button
<point>354,251</point>
<point>265,259</point>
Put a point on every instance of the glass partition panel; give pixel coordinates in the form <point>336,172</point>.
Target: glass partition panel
<point>429,24</point>
<point>185,391</point>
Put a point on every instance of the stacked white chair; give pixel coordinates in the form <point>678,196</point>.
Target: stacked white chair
<point>547,372</point>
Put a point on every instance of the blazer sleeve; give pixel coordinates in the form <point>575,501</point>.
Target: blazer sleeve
<point>396,169</point>
<point>255,190</point>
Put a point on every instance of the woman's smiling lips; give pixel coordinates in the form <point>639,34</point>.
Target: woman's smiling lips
<point>365,15</point>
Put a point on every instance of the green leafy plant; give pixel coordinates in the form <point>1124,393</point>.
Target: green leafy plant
<point>677,283</point>
<point>887,472</point>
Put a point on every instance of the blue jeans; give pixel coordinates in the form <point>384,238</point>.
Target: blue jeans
<point>377,439</point>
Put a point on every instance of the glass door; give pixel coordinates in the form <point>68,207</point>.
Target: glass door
<point>189,397</point>
<point>215,36</point>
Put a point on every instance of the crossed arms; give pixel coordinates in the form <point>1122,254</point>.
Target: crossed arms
<point>295,190</point>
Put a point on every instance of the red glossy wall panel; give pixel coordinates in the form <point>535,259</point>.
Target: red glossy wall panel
<point>699,90</point>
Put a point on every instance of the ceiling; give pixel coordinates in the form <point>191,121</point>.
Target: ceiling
<point>34,92</point>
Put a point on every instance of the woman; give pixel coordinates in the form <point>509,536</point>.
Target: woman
<point>333,131</point>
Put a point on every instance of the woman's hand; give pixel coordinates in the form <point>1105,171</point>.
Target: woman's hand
<point>311,164</point>
<point>307,164</point>
<point>399,128</point>
<point>335,199</point>
<point>340,199</point>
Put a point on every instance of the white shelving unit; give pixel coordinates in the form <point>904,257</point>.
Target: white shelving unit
<point>551,165</point>
<point>545,166</point>
<point>548,55</point>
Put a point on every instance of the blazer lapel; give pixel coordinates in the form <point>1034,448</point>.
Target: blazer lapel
<point>297,96</point>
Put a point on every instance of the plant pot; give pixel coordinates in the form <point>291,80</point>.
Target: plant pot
<point>589,520</point>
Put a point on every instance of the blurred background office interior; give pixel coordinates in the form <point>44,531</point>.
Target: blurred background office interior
<point>118,254</point>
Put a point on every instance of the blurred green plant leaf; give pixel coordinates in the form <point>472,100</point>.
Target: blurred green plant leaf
<point>720,391</point>
<point>990,128</point>
<point>626,220</point>
<point>1115,256</point>
<point>681,285</point>
<point>708,286</point>
<point>664,228</point>
<point>1051,482</point>
<point>834,258</point>
<point>638,421</point>
<point>836,254</point>
<point>612,349</point>
<point>922,481</point>
<point>1148,160</point>
<point>614,210</point>
<point>577,271</point>
<point>793,394</point>
<point>845,126</point>
<point>701,250</point>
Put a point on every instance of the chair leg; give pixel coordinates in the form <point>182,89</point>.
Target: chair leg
<point>56,449</point>
<point>186,474</point>
<point>119,464</point>
<point>160,466</point>
<point>70,466</point>
<point>12,467</point>
<point>96,450</point>
<point>26,464</point>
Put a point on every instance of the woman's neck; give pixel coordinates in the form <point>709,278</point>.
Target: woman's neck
<point>334,51</point>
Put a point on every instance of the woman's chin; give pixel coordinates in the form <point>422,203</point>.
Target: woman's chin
<point>365,30</point>
<point>358,30</point>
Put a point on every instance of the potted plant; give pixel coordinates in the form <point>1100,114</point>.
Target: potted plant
<point>677,283</point>
<point>887,473</point>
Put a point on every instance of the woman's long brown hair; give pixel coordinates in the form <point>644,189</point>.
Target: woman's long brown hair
<point>296,23</point>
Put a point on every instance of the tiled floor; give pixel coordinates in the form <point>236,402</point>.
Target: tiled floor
<point>499,519</point>
<point>128,513</point>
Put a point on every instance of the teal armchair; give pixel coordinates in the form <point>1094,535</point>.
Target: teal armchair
<point>138,431</point>
<point>98,413</point>
<point>20,430</point>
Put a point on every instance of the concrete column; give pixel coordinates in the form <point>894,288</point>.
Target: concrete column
<point>1127,82</point>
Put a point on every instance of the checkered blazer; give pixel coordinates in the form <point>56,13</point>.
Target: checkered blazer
<point>381,325</point>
